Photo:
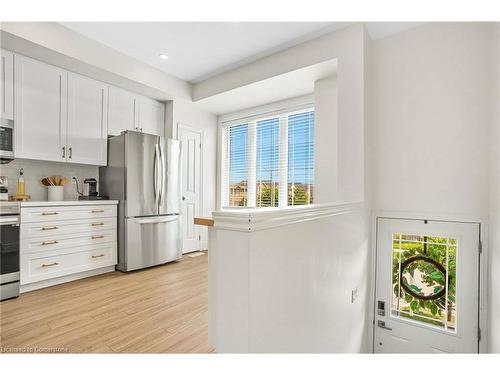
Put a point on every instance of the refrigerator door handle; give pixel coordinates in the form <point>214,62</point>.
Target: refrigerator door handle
<point>155,174</point>
<point>163,173</point>
<point>157,220</point>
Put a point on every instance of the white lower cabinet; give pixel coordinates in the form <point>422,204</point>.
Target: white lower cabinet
<point>62,243</point>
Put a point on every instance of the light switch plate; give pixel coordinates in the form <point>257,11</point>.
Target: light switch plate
<point>354,295</point>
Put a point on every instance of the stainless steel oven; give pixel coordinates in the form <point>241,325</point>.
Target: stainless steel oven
<point>9,250</point>
<point>6,142</point>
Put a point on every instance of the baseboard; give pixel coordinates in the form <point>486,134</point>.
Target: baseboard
<point>64,279</point>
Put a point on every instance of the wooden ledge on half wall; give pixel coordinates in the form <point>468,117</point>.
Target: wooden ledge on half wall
<point>206,221</point>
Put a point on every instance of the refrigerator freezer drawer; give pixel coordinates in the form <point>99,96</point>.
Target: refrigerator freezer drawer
<point>151,241</point>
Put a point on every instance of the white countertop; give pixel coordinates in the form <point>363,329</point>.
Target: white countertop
<point>67,203</point>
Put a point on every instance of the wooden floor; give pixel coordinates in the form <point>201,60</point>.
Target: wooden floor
<point>158,310</point>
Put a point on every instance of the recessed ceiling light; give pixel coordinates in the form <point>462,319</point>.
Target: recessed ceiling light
<point>163,56</point>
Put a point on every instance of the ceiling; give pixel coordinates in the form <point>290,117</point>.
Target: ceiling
<point>198,50</point>
<point>284,86</point>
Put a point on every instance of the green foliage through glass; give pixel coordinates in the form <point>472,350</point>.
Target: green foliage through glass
<point>424,279</point>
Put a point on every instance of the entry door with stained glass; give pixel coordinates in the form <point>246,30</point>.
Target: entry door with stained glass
<point>427,297</point>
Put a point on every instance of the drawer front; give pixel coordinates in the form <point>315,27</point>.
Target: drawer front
<point>68,241</point>
<point>58,213</point>
<point>38,267</point>
<point>54,229</point>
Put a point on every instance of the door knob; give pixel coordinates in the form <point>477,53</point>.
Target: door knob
<point>183,198</point>
<point>381,324</point>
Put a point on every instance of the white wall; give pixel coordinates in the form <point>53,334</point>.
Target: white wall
<point>326,139</point>
<point>494,224</point>
<point>186,113</point>
<point>431,119</point>
<point>287,288</point>
<point>35,170</point>
<point>431,112</point>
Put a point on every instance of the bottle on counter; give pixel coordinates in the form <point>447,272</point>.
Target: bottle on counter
<point>21,186</point>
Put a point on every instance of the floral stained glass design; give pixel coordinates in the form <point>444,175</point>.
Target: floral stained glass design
<point>424,279</point>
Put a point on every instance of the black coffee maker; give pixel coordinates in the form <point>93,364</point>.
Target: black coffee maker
<point>91,190</point>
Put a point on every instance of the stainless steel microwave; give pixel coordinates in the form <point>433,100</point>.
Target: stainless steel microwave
<point>6,142</point>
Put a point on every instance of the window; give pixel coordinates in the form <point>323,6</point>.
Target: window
<point>269,161</point>
<point>424,279</point>
<point>238,165</point>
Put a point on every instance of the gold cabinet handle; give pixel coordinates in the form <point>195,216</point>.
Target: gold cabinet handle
<point>50,213</point>
<point>97,211</point>
<point>50,264</point>
<point>97,224</point>
<point>49,243</point>
<point>49,228</point>
<point>97,237</point>
<point>97,256</point>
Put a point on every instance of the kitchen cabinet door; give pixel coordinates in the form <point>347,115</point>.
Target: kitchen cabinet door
<point>40,110</point>
<point>151,116</point>
<point>87,120</point>
<point>6,85</point>
<point>121,111</point>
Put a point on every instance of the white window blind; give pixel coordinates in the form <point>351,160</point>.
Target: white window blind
<point>238,165</point>
<point>300,158</point>
<point>270,161</point>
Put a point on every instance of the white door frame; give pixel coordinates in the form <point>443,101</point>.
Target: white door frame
<point>483,269</point>
<point>202,142</point>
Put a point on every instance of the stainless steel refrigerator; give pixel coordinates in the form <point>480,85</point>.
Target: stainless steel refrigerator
<point>143,174</point>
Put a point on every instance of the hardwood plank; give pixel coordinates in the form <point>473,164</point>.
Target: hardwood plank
<point>159,310</point>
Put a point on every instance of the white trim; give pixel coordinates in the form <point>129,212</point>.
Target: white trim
<point>270,114</point>
<point>252,165</point>
<point>483,268</point>
<point>283,163</point>
<point>256,219</point>
<point>268,109</point>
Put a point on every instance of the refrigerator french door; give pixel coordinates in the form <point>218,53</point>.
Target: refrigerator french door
<point>143,174</point>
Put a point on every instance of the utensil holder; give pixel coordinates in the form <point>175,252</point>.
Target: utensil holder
<point>55,193</point>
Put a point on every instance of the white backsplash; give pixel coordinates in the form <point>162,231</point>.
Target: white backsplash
<point>35,170</point>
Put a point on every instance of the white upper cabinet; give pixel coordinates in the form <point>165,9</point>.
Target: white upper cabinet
<point>151,116</point>
<point>121,111</point>
<point>63,116</point>
<point>40,110</point>
<point>87,120</point>
<point>6,85</point>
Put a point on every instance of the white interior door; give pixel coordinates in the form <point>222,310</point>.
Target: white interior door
<point>191,187</point>
<point>427,297</point>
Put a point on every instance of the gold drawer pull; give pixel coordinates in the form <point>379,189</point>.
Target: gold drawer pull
<point>97,224</point>
<point>50,213</point>
<point>97,237</point>
<point>97,256</point>
<point>49,228</point>
<point>97,211</point>
<point>50,264</point>
<point>49,243</point>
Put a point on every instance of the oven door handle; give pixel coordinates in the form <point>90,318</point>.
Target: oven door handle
<point>9,220</point>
